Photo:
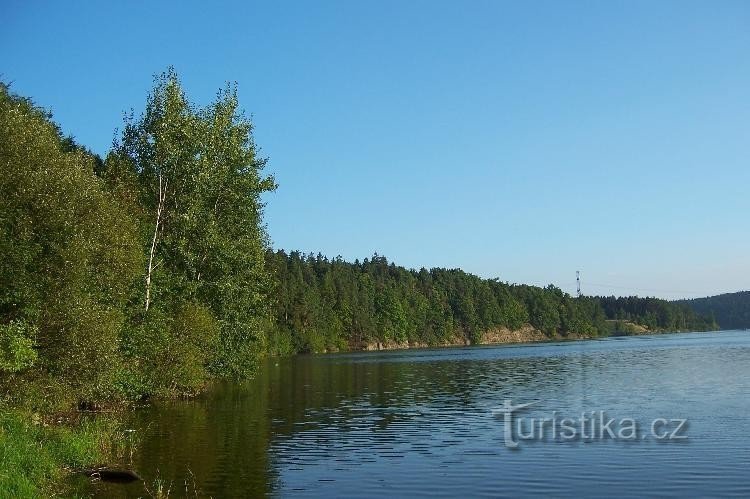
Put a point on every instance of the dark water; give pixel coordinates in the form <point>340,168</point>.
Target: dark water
<point>420,423</point>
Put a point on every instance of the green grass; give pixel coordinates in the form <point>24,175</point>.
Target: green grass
<point>35,458</point>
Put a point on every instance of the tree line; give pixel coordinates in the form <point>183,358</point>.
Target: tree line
<point>329,304</point>
<point>150,272</point>
<point>731,310</point>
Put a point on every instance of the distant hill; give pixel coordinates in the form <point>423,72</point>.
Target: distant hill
<point>731,310</point>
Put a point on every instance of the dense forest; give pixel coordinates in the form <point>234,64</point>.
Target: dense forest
<point>324,304</point>
<point>731,310</point>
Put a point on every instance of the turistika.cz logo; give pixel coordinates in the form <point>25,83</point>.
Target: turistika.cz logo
<point>589,426</point>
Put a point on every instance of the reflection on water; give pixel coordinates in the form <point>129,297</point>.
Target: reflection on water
<point>420,423</point>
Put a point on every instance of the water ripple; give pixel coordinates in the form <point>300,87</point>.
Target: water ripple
<point>420,423</point>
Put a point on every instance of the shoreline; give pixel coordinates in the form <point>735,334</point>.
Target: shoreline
<point>496,336</point>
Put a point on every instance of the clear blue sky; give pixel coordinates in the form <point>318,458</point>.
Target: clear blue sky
<point>522,140</point>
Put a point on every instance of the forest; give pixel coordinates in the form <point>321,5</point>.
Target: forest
<point>324,305</point>
<point>149,273</point>
<point>731,310</point>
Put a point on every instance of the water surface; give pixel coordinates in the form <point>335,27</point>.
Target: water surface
<point>421,423</point>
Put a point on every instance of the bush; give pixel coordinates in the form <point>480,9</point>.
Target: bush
<point>168,354</point>
<point>17,346</point>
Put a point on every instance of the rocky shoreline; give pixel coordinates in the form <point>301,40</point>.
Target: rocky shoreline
<point>495,336</point>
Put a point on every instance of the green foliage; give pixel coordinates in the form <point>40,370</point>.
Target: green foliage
<point>513,313</point>
<point>70,256</point>
<point>729,310</point>
<point>17,346</point>
<point>143,274</point>
<point>198,180</point>
<point>169,354</point>
<point>327,304</point>
<point>195,338</point>
<point>655,314</point>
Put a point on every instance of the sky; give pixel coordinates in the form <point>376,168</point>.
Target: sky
<point>520,140</point>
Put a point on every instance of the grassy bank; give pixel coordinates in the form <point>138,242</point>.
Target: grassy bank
<point>36,455</point>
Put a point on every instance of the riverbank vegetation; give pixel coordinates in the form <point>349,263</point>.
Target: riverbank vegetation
<point>149,273</point>
<point>138,275</point>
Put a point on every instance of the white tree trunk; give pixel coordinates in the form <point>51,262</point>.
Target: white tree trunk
<point>154,240</point>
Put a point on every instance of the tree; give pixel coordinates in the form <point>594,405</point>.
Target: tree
<point>69,254</point>
<point>200,183</point>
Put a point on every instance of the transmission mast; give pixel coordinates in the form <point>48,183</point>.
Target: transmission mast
<point>578,282</point>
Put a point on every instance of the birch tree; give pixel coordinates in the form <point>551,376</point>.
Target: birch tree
<point>163,146</point>
<point>201,184</point>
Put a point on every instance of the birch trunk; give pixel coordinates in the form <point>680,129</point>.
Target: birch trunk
<point>154,240</point>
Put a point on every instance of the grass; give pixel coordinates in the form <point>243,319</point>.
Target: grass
<point>162,489</point>
<point>35,456</point>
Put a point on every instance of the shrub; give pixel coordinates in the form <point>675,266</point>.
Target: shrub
<point>168,354</point>
<point>17,346</point>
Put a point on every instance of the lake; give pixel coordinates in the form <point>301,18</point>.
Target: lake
<point>429,423</point>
